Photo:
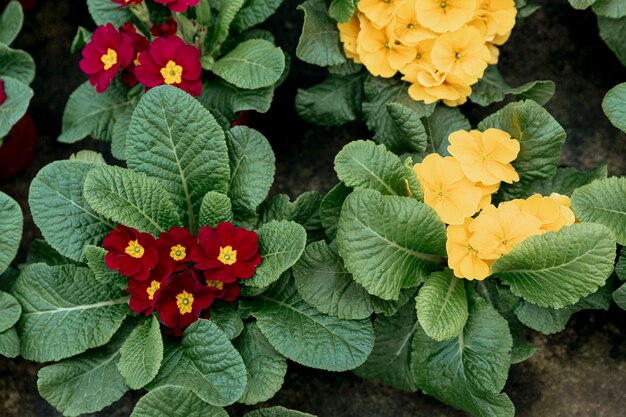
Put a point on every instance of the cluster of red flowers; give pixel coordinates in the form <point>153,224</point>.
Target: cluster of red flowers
<point>166,60</point>
<point>179,275</point>
<point>3,94</point>
<point>179,6</point>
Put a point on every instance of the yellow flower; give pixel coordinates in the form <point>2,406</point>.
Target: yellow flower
<point>485,157</point>
<point>552,215</point>
<point>462,53</point>
<point>430,85</point>
<point>497,230</point>
<point>348,33</point>
<point>444,15</point>
<point>497,15</point>
<point>494,52</point>
<point>488,191</point>
<point>380,12</point>
<point>447,190</point>
<point>380,52</point>
<point>462,257</point>
<point>420,62</point>
<point>406,27</point>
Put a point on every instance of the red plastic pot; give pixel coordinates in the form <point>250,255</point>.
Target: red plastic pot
<point>18,149</point>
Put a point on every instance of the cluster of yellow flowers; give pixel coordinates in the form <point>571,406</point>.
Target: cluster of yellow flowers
<point>441,47</point>
<point>459,186</point>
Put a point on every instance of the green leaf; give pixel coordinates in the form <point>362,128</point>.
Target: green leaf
<point>94,256</point>
<point>173,401</point>
<point>255,63</point>
<point>215,208</point>
<point>333,102</point>
<point>16,104</point>
<point>10,311</point>
<point>103,12</point>
<point>9,343</point>
<point>620,267</point>
<point>390,359</point>
<point>82,38</point>
<point>252,167</point>
<point>609,8</point>
<point>581,4</point>
<point>540,138</point>
<point>492,88</point>
<point>130,198</point>
<point>265,367</point>
<point>441,305</point>
<point>227,99</point>
<point>178,142</point>
<point>558,268</point>
<point>342,10</point>
<point>119,132</point>
<point>41,252</point>
<point>88,156</point>
<point>141,354</point>
<point>16,64</point>
<point>567,180</point>
<point>304,211</point>
<point>323,282</point>
<point>254,12</point>
<point>330,208</point>
<point>11,221</point>
<point>319,43</point>
<point>11,21</point>
<point>407,132</point>
<point>280,243</point>
<point>614,106</point>
<point>469,371</point>
<point>228,320</point>
<point>85,383</point>
<point>619,296</point>
<point>612,32</point>
<point>65,311</point>
<point>277,412</point>
<point>227,13</point>
<point>89,113</point>
<point>364,164</point>
<point>204,362</point>
<point>604,202</point>
<point>60,211</point>
<point>306,336</point>
<point>389,243</point>
<point>443,121</point>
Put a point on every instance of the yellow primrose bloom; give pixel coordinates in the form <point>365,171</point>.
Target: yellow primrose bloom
<point>462,53</point>
<point>497,230</point>
<point>494,52</point>
<point>462,257</point>
<point>444,15</point>
<point>488,191</point>
<point>447,190</point>
<point>497,15</point>
<point>348,33</point>
<point>565,204</point>
<point>381,53</point>
<point>380,12</point>
<point>420,62</point>
<point>430,85</point>
<point>485,156</point>
<point>406,27</point>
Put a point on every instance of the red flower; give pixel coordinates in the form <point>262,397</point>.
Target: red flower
<point>3,94</point>
<point>139,43</point>
<point>145,294</point>
<point>179,6</point>
<point>163,30</point>
<point>226,292</point>
<point>226,253</point>
<point>124,3</point>
<point>132,253</point>
<point>181,301</point>
<point>169,61</point>
<point>174,248</point>
<point>108,51</point>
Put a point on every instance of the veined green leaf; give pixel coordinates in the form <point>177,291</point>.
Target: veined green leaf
<point>443,121</point>
<point>141,354</point>
<point>614,106</point>
<point>103,12</point>
<point>10,311</point>
<point>11,221</point>
<point>330,208</point>
<point>95,257</point>
<point>16,104</point>
<point>215,208</point>
<point>11,21</point>
<point>228,320</point>
<point>254,12</point>
<point>342,10</point>
<point>304,211</point>
<point>16,64</point>
<point>174,401</point>
<point>277,412</point>
<point>319,43</point>
<point>9,343</point>
<point>567,180</point>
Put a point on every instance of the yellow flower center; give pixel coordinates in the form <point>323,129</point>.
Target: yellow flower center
<point>136,60</point>
<point>109,59</point>
<point>215,284</point>
<point>418,56</point>
<point>410,26</point>
<point>134,249</point>
<point>178,252</point>
<point>172,73</point>
<point>184,301</point>
<point>228,256</point>
<point>152,289</point>
<point>444,4</point>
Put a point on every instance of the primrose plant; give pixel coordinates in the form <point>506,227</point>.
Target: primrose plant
<point>487,237</point>
<point>173,274</point>
<point>210,49</point>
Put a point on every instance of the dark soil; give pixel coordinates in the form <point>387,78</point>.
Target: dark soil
<point>580,372</point>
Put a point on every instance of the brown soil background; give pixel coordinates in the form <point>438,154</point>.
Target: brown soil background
<point>580,372</point>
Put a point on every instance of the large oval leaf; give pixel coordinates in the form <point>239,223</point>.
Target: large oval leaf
<point>173,401</point>
<point>16,64</point>
<point>10,311</point>
<point>141,354</point>
<point>614,106</point>
<point>10,230</point>
<point>16,104</point>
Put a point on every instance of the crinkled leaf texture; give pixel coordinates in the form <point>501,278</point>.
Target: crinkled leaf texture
<point>16,64</point>
<point>11,21</point>
<point>469,371</point>
<point>567,180</point>
<point>174,401</point>
<point>304,211</point>
<point>330,208</point>
<point>65,311</point>
<point>221,97</point>
<point>342,10</point>
<point>66,220</point>
<point>228,320</point>
<point>277,412</point>
<point>603,201</point>
<point>141,354</point>
<point>16,104</point>
<point>389,243</point>
<point>103,12</point>
<point>215,209</point>
<point>440,124</point>
<point>254,12</point>
<point>11,221</point>
<point>95,256</point>
<point>614,106</point>
<point>205,362</point>
<point>559,268</point>
<point>10,311</point>
<point>319,43</point>
<point>9,343</point>
<point>178,142</point>
<point>306,336</point>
